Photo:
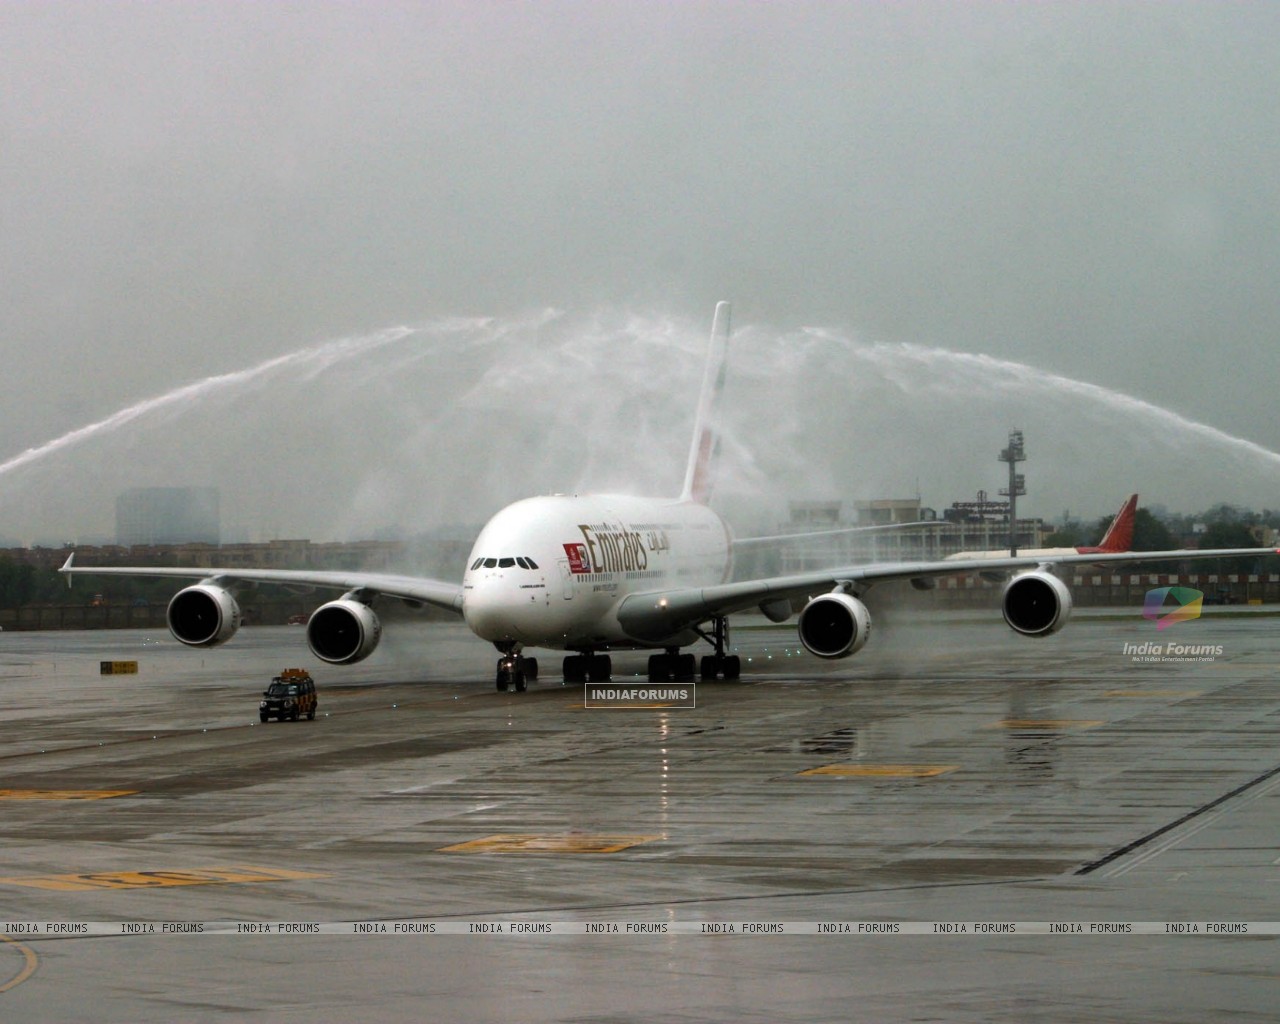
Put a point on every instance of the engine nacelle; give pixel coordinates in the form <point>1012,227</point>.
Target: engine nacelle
<point>1036,604</point>
<point>343,631</point>
<point>834,626</point>
<point>203,616</point>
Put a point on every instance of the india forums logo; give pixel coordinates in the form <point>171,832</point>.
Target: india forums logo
<point>1186,605</point>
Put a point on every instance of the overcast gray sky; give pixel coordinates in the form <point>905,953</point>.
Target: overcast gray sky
<point>190,189</point>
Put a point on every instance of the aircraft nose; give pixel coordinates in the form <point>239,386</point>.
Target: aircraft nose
<point>497,609</point>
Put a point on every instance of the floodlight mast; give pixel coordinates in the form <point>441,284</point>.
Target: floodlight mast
<point>1014,454</point>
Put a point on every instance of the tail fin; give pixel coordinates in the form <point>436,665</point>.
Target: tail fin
<point>700,472</point>
<point>1119,535</point>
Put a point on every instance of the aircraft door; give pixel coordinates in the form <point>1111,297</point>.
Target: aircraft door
<point>566,580</point>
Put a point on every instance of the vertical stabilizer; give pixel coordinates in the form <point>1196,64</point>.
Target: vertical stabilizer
<point>700,473</point>
<point>1119,535</point>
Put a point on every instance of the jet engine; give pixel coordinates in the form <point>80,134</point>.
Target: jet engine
<point>204,615</point>
<point>1036,604</point>
<point>343,631</point>
<point>834,626</point>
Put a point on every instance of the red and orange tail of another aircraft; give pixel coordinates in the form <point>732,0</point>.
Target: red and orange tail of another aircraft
<point>1119,535</point>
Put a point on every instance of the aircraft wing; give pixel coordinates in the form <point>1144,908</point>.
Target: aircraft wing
<point>412,589</point>
<point>659,614</point>
<point>841,531</point>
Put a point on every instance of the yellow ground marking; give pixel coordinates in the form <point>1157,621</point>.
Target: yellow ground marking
<point>528,843</point>
<point>118,668</point>
<point>154,879</point>
<point>882,771</point>
<point>63,794</point>
<point>1047,724</point>
<point>1153,693</point>
<point>29,968</point>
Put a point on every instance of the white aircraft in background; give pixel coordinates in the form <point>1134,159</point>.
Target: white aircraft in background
<point>590,574</point>
<point>1117,539</point>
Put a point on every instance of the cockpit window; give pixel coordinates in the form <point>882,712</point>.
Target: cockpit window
<point>504,563</point>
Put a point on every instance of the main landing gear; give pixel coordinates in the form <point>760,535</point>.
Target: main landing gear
<point>514,670</point>
<point>720,665</point>
<point>581,668</point>
<point>672,665</point>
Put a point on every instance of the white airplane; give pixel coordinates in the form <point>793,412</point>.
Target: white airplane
<point>1118,538</point>
<point>591,574</point>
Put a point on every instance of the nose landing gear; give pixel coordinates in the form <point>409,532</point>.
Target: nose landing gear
<point>515,670</point>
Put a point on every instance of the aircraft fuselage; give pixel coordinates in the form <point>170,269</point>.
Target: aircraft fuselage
<point>552,571</point>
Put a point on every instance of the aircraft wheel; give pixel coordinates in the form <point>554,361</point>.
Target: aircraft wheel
<point>686,666</point>
<point>531,669</point>
<point>708,667</point>
<point>659,668</point>
<point>733,667</point>
<point>575,669</point>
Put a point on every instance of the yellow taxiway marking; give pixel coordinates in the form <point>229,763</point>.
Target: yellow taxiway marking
<point>28,969</point>
<point>882,771</point>
<point>63,794</point>
<point>1047,724</point>
<point>1153,693</point>
<point>528,843</point>
<point>154,879</point>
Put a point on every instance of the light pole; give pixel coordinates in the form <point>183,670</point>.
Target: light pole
<point>1017,485</point>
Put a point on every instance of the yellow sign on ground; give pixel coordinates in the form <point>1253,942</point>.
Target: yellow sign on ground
<point>156,879</point>
<point>526,843</point>
<point>63,794</point>
<point>117,668</point>
<point>882,771</point>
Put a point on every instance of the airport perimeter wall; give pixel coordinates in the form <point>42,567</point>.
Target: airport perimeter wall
<point>1101,590</point>
<point>1122,590</point>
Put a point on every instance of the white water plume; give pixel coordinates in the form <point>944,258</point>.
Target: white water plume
<point>857,419</point>
<point>310,361</point>
<point>412,428</point>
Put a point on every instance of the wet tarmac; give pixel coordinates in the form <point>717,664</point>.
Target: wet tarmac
<point>957,824</point>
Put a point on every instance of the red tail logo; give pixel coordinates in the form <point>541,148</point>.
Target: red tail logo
<point>1119,535</point>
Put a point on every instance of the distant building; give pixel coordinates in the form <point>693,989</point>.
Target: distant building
<point>168,515</point>
<point>889,511</point>
<point>964,527</point>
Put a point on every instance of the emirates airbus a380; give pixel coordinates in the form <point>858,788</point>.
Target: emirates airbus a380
<point>591,574</point>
